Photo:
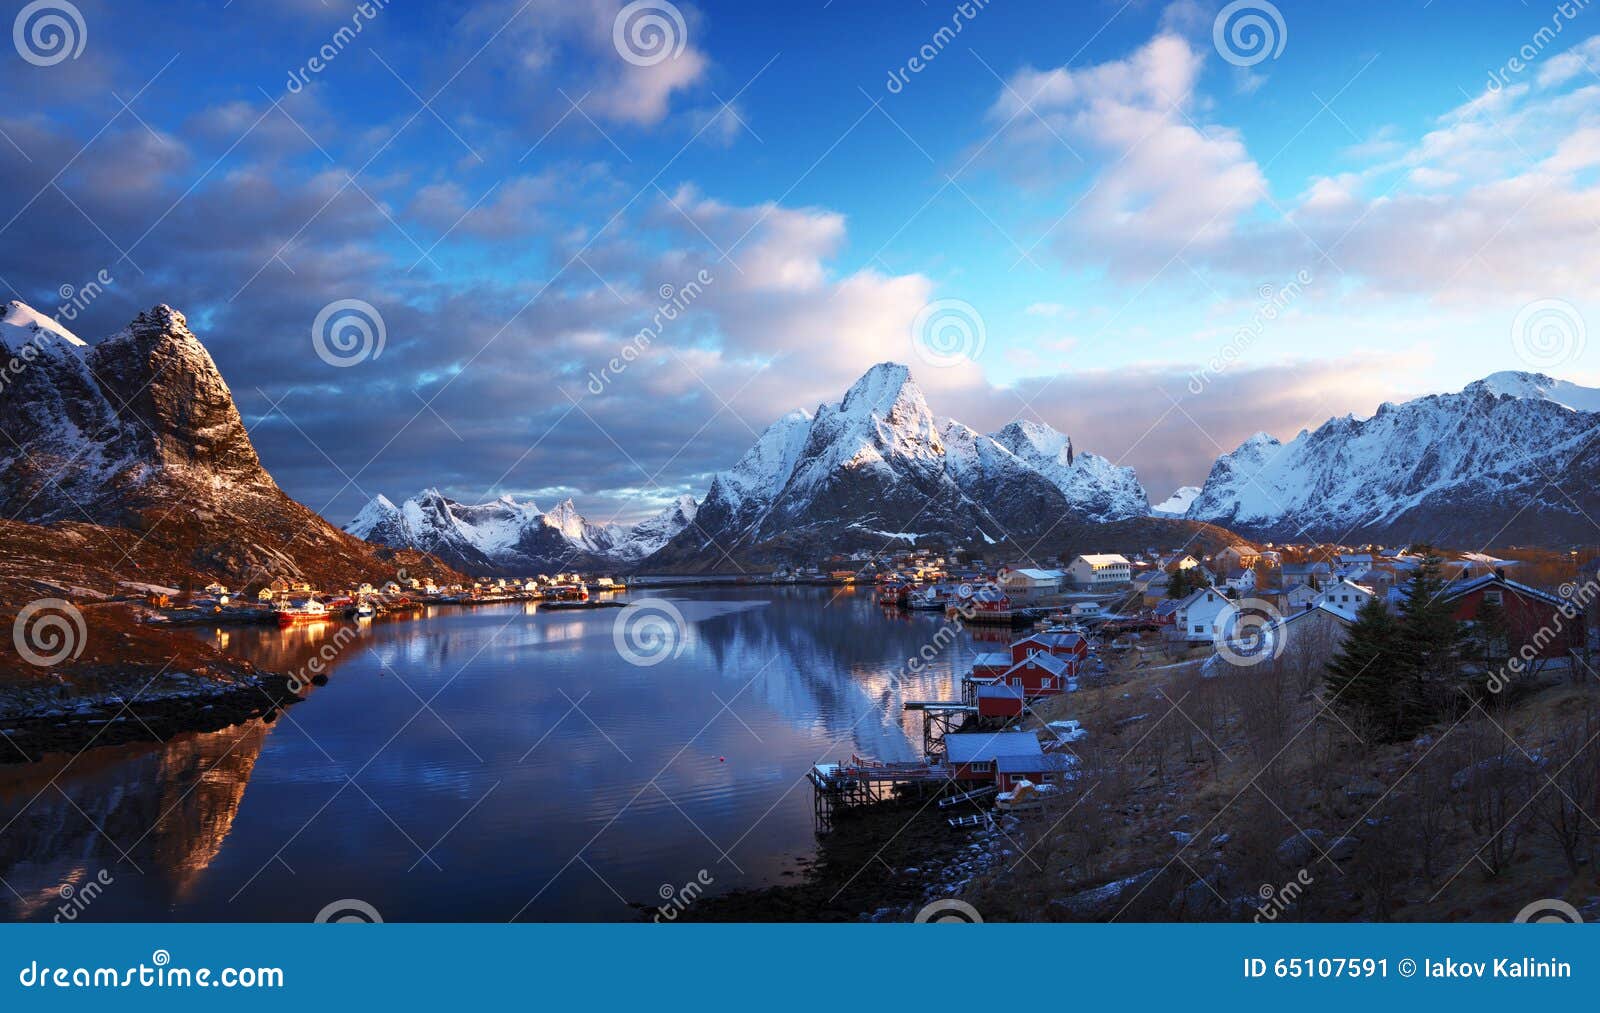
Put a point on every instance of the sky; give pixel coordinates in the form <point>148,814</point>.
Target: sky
<point>556,248</point>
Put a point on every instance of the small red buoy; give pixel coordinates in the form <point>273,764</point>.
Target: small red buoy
<point>722,759</point>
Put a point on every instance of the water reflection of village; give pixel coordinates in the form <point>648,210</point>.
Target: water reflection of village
<point>155,817</point>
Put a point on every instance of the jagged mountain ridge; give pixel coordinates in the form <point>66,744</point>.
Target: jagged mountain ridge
<point>139,431</point>
<point>1510,459</point>
<point>878,464</point>
<point>512,537</point>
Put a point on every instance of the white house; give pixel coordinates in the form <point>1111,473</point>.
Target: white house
<point>1297,598</point>
<point>1195,618</point>
<point>1345,597</point>
<point>216,590</point>
<point>1026,584</point>
<point>1101,570</point>
<point>1241,579</point>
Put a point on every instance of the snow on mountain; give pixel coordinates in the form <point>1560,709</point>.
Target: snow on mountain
<point>24,317</point>
<point>1093,486</point>
<point>878,460</point>
<point>507,535</point>
<point>1509,458</point>
<point>1176,505</point>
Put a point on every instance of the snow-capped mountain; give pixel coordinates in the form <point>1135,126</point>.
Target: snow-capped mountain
<point>878,464</point>
<point>514,537</point>
<point>140,431</point>
<point>1176,505</point>
<point>1511,458</point>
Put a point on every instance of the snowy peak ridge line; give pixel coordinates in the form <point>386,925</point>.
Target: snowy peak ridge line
<point>879,460</point>
<point>507,535</point>
<point>1176,505</point>
<point>21,315</point>
<point>1510,458</point>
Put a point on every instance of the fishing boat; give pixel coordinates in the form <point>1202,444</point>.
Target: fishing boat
<point>297,613</point>
<point>365,610</point>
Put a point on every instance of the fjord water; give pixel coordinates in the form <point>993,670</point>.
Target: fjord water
<point>485,764</point>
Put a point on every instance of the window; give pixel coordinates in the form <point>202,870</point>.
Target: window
<point>1199,628</point>
<point>981,767</point>
<point>1494,597</point>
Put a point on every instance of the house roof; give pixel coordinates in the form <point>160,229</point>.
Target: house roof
<point>1318,609</point>
<point>1049,662</point>
<point>992,659</point>
<point>1033,574</point>
<point>999,690</point>
<point>1044,763</point>
<point>1105,559</point>
<point>970,747</point>
<point>1051,640</point>
<point>1460,588</point>
<point>1168,607</point>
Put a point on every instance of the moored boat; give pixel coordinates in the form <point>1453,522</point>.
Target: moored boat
<point>297,613</point>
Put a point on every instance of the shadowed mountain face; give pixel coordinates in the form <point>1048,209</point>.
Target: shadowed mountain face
<point>1511,459</point>
<point>879,465</point>
<point>141,432</point>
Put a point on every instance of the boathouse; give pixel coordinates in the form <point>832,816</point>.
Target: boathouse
<point>974,756</point>
<point>996,700</point>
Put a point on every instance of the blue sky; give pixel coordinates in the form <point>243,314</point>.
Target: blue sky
<point>1148,244</point>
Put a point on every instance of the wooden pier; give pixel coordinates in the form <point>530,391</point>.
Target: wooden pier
<point>839,786</point>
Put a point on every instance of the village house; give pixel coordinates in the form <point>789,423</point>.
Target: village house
<point>1178,561</point>
<point>1236,556</point>
<point>1241,579</point>
<point>1545,626</point>
<point>1101,570</point>
<point>1195,618</point>
<point>1026,584</point>
<point>978,756</point>
<point>1298,597</point>
<point>1314,574</point>
<point>1152,587</point>
<point>216,590</point>
<point>1345,597</point>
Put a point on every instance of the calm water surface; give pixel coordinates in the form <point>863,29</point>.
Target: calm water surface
<point>485,764</point>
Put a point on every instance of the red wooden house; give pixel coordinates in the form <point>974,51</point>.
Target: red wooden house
<point>1069,647</point>
<point>996,700</point>
<point>1547,626</point>
<point>1046,768</point>
<point>975,756</point>
<point>1039,674</point>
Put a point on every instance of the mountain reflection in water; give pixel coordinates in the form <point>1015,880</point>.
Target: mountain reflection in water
<point>483,764</point>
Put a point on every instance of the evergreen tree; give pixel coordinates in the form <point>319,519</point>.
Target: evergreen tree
<point>1429,633</point>
<point>1369,676</point>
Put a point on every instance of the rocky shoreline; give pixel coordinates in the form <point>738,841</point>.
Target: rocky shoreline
<point>185,704</point>
<point>882,864</point>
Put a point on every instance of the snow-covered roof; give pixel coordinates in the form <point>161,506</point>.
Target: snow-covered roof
<point>992,659</point>
<point>1049,662</point>
<point>1460,588</point>
<point>971,747</point>
<point>1033,574</point>
<point>999,689</point>
<point>1105,559</point>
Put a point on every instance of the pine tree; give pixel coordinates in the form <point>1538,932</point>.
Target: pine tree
<point>1430,636</point>
<point>1369,676</point>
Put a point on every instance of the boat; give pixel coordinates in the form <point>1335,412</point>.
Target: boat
<point>297,613</point>
<point>365,610</point>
